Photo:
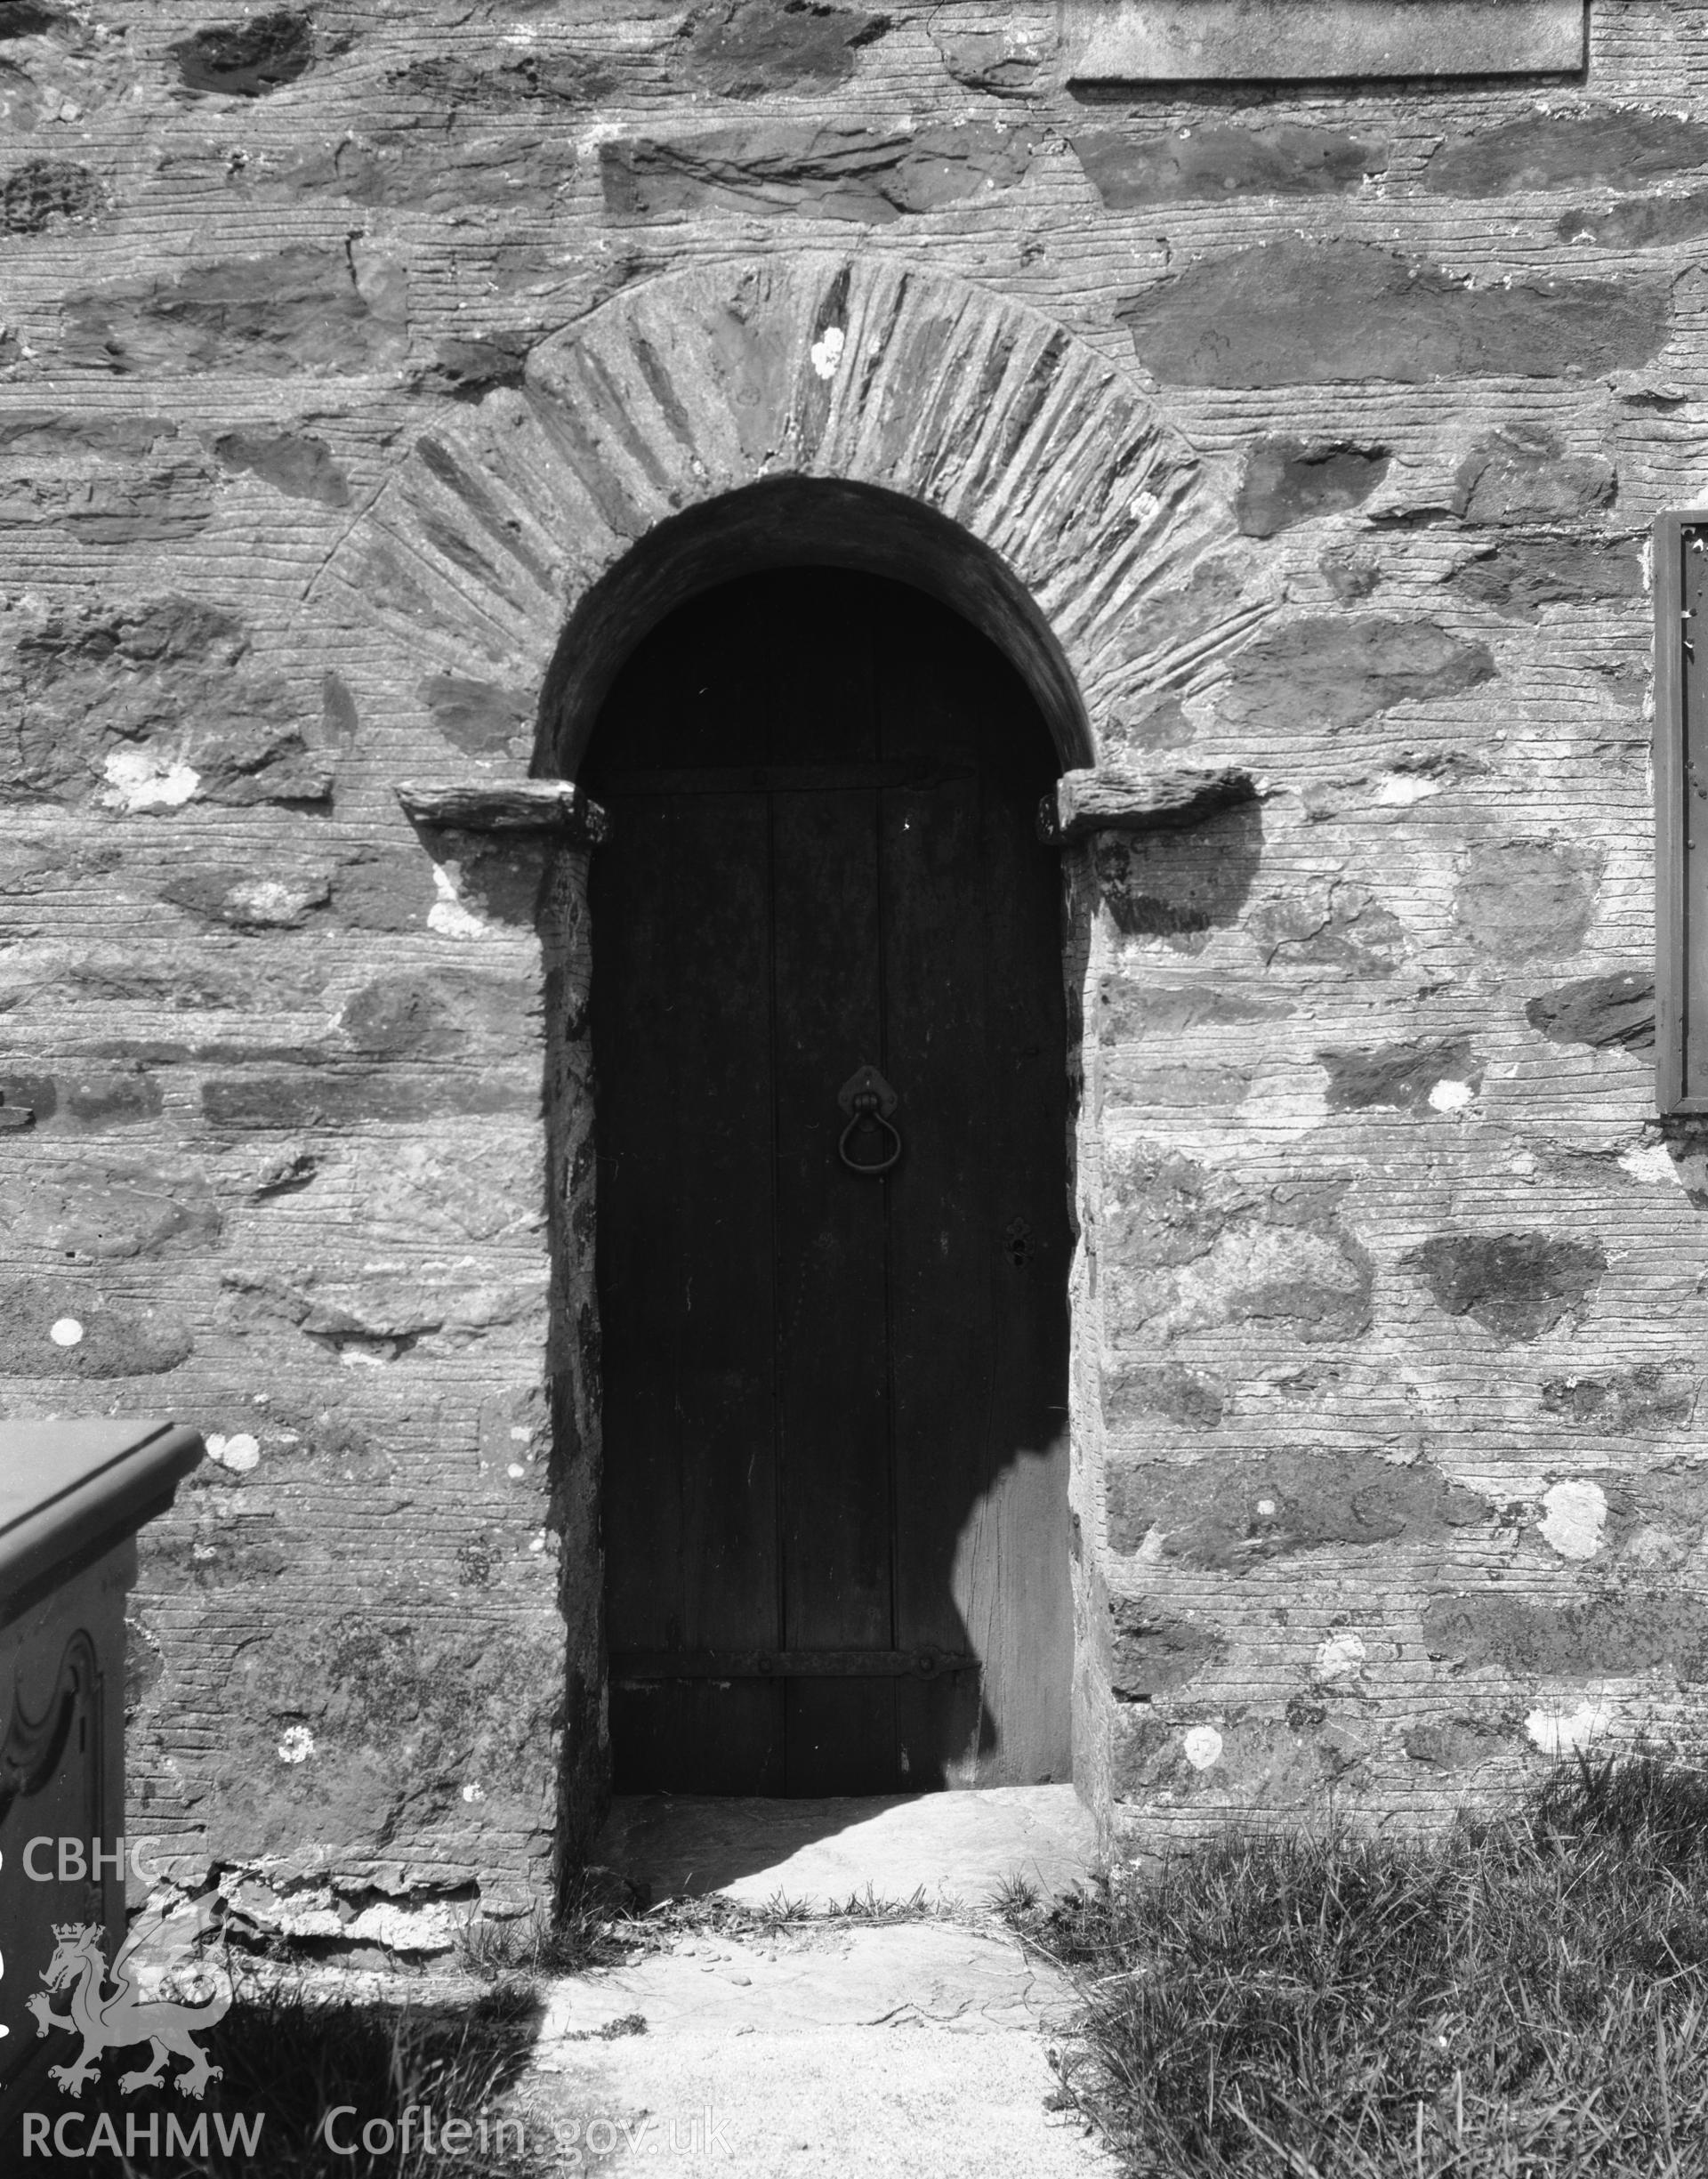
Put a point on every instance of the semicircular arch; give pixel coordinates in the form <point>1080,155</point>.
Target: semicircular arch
<point>957,439</point>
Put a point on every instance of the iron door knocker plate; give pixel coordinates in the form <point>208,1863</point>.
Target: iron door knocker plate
<point>868,1101</point>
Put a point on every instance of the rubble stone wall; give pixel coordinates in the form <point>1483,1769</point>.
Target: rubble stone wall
<point>346,352</point>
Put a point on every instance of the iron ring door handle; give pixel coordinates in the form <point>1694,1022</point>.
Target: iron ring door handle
<point>867,1098</point>
<point>865,1107</point>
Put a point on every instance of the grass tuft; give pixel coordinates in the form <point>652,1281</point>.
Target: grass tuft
<point>1527,1998</point>
<point>713,1914</point>
<point>868,1906</point>
<point>1015,1897</point>
<point>583,1934</point>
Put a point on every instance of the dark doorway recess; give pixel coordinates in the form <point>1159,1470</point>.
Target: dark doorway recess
<point>835,1505</point>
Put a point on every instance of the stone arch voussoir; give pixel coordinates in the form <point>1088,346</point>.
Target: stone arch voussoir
<point>502,517</point>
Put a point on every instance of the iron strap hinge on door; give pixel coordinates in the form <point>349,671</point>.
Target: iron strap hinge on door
<point>638,1664</point>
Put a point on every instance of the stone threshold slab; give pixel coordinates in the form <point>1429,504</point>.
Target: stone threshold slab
<point>956,1847</point>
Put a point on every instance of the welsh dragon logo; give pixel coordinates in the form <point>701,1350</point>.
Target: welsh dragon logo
<point>117,2020</point>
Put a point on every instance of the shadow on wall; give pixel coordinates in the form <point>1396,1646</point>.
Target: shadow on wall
<point>1181,885</point>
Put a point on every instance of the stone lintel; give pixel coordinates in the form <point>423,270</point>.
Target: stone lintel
<point>1208,41</point>
<point>511,805</point>
<point>1091,801</point>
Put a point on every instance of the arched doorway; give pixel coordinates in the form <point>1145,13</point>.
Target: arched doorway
<point>834,1333</point>
<point>696,425</point>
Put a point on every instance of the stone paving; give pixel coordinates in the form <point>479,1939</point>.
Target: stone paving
<point>916,2049</point>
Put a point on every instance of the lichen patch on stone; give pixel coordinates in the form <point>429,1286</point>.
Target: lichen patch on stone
<point>827,350</point>
<point>1575,1520</point>
<point>146,780</point>
<point>448,916</point>
<point>240,1452</point>
<point>1339,1657</point>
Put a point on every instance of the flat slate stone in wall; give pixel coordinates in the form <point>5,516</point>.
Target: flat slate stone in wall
<point>843,170</point>
<point>745,48</point>
<point>1287,482</point>
<point>1275,1506</point>
<point>1525,475</point>
<point>1209,164</point>
<point>294,309</point>
<point>1523,900</point>
<point>146,708</point>
<point>248,59</point>
<point>1542,151</point>
<point>295,463</point>
<point>1519,1284</point>
<point>1597,1010</point>
<point>1342,670</point>
<point>1302,313</point>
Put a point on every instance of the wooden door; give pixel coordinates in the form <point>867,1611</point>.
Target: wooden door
<point>835,1519</point>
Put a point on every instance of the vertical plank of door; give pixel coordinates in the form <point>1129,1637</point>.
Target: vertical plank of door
<point>1013,1578</point>
<point>832,1388</point>
<point>681,1032</point>
<point>982,1455</point>
<point>936,968</point>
